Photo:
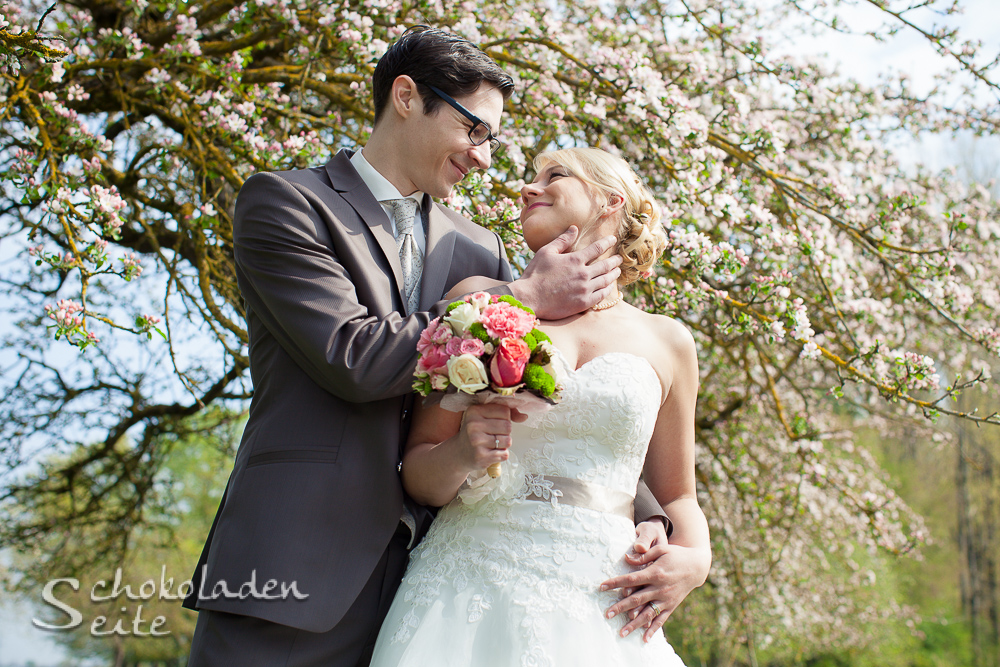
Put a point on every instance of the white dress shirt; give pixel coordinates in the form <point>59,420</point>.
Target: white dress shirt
<point>384,190</point>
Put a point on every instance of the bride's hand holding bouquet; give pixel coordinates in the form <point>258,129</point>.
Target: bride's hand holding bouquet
<point>485,437</point>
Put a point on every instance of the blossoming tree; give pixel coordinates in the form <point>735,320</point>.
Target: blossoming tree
<point>823,282</point>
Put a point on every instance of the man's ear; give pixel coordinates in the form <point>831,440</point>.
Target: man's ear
<point>404,97</point>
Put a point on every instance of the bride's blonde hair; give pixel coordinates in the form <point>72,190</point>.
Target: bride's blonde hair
<point>641,238</point>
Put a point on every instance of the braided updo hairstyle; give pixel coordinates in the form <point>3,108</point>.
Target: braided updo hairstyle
<point>641,238</point>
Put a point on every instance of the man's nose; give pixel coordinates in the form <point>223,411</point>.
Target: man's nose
<point>481,155</point>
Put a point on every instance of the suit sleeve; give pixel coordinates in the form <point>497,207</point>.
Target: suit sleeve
<point>647,508</point>
<point>503,266</point>
<point>294,283</point>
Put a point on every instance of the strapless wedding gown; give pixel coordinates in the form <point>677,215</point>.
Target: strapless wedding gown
<point>509,572</point>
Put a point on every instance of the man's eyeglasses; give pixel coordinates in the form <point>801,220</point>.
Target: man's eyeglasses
<point>480,132</point>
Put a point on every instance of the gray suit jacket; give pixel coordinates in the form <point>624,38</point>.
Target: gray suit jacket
<point>314,496</point>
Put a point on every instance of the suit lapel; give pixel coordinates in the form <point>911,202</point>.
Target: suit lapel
<point>348,183</point>
<point>438,254</point>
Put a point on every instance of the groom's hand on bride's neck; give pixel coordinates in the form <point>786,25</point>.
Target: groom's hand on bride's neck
<point>559,282</point>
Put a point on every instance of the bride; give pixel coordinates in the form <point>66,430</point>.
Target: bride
<point>515,570</point>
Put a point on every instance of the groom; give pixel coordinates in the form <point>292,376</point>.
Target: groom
<point>341,267</point>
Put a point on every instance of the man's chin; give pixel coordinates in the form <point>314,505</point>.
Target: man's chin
<point>441,193</point>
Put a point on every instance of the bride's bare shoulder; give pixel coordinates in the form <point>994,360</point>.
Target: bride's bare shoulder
<point>473,284</point>
<point>672,334</point>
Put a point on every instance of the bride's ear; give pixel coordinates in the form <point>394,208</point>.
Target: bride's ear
<point>614,204</point>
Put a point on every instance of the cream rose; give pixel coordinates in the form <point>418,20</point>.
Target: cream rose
<point>552,368</point>
<point>462,317</point>
<point>467,373</point>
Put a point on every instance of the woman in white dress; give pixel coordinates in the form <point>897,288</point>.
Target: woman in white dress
<point>512,568</point>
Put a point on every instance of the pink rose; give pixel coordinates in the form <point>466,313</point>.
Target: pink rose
<point>442,333</point>
<point>454,346</point>
<point>503,320</point>
<point>435,334</point>
<point>507,367</point>
<point>433,359</point>
<point>472,346</point>
<point>457,346</point>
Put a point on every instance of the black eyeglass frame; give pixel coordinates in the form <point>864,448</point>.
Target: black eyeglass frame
<point>495,143</point>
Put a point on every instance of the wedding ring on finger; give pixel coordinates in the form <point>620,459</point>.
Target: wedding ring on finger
<point>656,609</point>
<point>496,442</point>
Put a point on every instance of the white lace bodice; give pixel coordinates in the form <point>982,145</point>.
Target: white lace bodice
<point>599,432</point>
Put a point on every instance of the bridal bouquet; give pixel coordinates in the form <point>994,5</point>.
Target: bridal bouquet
<point>487,349</point>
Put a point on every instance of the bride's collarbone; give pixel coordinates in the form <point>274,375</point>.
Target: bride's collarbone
<point>581,341</point>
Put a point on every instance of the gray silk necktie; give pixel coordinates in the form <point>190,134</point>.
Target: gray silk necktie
<point>410,260</point>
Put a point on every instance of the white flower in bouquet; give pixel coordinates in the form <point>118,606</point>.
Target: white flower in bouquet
<point>467,373</point>
<point>480,300</point>
<point>551,368</point>
<point>462,317</point>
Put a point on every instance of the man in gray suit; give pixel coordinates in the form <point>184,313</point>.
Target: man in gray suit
<point>311,538</point>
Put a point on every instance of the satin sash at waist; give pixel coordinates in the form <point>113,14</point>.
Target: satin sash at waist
<point>583,494</point>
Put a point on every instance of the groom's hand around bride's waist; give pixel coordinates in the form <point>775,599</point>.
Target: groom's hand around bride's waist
<point>667,574</point>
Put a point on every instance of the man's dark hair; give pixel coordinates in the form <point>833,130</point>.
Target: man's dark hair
<point>433,57</point>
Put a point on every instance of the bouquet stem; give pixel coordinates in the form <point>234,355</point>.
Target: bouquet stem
<point>494,470</point>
